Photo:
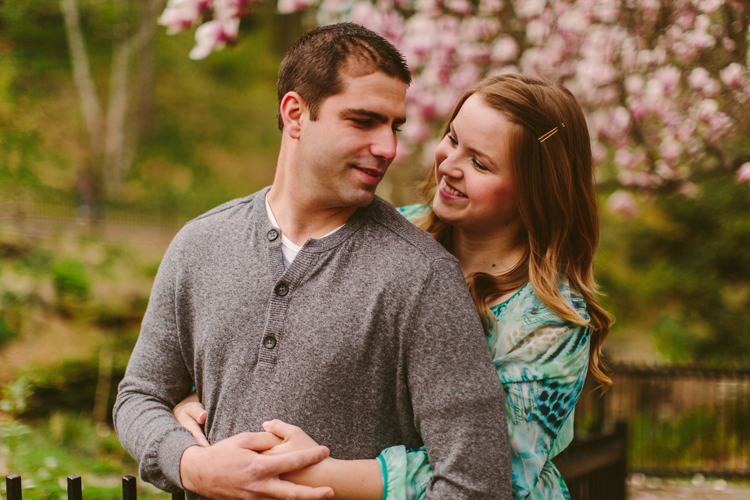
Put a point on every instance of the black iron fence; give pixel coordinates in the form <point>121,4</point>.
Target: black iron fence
<point>75,488</point>
<point>682,420</point>
<point>593,466</point>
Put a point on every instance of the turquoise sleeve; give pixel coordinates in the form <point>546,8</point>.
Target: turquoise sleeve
<point>406,474</point>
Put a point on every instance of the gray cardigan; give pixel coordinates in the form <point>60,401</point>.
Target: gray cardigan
<point>368,340</point>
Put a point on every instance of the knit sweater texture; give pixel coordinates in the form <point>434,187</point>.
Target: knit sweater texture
<point>369,339</point>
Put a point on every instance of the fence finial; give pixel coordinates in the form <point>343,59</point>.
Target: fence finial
<point>75,487</point>
<point>13,487</point>
<point>129,491</point>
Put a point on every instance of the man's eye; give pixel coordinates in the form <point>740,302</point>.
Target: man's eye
<point>397,129</point>
<point>362,122</point>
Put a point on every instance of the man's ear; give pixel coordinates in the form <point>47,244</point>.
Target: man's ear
<point>291,109</point>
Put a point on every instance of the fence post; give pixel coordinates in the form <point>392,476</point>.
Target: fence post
<point>74,487</point>
<point>621,468</point>
<point>13,487</point>
<point>128,488</point>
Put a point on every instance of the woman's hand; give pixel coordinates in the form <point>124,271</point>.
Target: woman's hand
<point>293,438</point>
<point>191,415</point>
<point>350,479</point>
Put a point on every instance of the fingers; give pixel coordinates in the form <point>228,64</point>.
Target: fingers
<point>280,429</point>
<point>257,441</point>
<point>293,461</point>
<point>196,411</point>
<point>284,489</point>
<point>196,431</point>
<point>190,416</point>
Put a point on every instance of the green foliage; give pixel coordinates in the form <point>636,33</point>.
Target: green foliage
<point>68,444</point>
<point>695,438</point>
<point>682,270</point>
<point>15,397</point>
<point>6,334</point>
<point>70,279</point>
<point>70,385</point>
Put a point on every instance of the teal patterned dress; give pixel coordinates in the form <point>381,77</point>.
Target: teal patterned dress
<point>541,360</point>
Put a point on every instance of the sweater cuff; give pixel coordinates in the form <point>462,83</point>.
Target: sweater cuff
<point>171,448</point>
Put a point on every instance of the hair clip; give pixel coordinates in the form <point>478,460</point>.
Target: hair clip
<point>549,134</point>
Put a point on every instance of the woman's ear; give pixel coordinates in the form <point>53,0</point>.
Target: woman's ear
<point>291,109</point>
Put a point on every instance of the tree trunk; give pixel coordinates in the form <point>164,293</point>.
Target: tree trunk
<point>90,107</point>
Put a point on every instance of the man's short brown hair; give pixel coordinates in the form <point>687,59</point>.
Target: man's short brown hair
<point>313,65</point>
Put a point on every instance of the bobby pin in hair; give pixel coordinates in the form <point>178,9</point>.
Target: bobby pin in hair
<point>549,134</point>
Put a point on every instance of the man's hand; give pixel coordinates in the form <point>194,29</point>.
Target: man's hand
<point>234,469</point>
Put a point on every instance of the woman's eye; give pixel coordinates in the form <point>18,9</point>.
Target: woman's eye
<point>478,165</point>
<point>452,139</point>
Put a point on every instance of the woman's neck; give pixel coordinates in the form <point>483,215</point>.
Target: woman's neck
<point>483,253</point>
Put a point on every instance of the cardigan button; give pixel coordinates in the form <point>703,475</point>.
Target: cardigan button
<point>269,342</point>
<point>272,234</point>
<point>281,289</point>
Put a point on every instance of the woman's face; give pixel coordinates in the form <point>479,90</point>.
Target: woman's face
<point>473,171</point>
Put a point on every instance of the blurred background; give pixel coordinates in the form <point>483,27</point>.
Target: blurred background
<point>114,133</point>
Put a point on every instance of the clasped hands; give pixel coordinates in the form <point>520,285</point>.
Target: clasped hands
<point>251,465</point>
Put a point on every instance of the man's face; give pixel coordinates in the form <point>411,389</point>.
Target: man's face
<point>348,149</point>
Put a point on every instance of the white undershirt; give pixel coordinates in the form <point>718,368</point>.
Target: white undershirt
<point>288,249</point>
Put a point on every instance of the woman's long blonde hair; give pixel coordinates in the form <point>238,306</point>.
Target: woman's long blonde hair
<point>553,182</point>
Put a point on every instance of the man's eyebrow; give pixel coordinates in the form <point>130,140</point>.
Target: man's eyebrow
<point>374,115</point>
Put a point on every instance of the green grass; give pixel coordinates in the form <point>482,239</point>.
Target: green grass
<point>44,453</point>
<point>703,439</point>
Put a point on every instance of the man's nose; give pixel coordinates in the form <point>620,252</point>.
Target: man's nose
<point>385,144</point>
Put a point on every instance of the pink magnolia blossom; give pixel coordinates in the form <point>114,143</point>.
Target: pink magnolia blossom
<point>289,6</point>
<point>490,7</point>
<point>670,150</point>
<point>644,73</point>
<point>690,190</point>
<point>505,49</point>
<point>699,78</point>
<point>181,14</point>
<point>213,35</point>
<point>732,75</point>
<point>623,203</point>
<point>743,173</point>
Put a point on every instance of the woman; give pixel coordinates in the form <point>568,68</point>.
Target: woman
<point>512,198</point>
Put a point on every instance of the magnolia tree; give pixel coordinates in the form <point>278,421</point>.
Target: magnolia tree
<point>664,83</point>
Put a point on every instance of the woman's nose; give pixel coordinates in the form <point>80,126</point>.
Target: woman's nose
<point>450,166</point>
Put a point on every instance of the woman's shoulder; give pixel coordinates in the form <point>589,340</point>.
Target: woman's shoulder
<point>528,331</point>
<point>526,304</point>
<point>414,211</point>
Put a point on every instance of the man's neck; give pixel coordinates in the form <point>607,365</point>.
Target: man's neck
<point>300,218</point>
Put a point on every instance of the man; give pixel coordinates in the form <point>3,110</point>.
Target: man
<point>316,303</point>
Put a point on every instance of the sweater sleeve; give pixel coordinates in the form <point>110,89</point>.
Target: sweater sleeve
<point>457,399</point>
<point>156,379</point>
